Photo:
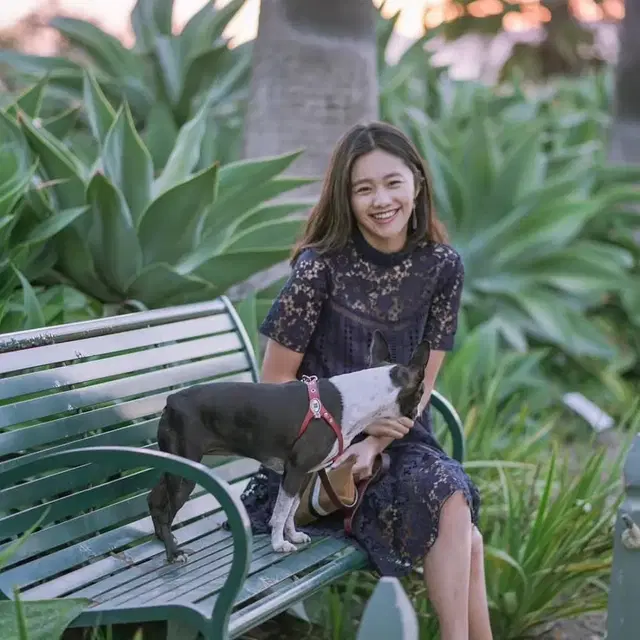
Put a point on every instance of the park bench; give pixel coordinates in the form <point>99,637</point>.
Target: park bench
<point>79,405</point>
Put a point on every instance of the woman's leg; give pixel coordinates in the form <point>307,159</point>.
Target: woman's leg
<point>447,569</point>
<point>479,623</point>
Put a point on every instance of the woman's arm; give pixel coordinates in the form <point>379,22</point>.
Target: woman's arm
<point>280,364</point>
<point>430,374</point>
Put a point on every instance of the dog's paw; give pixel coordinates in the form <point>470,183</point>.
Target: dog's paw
<point>181,556</point>
<point>284,547</point>
<point>297,537</point>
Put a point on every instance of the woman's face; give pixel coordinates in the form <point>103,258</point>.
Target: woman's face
<point>382,197</point>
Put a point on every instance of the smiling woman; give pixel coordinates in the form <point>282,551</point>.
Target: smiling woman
<point>375,257</point>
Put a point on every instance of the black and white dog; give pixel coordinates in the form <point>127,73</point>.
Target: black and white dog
<point>293,428</point>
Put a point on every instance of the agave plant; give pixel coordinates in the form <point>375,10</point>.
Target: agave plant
<point>27,226</point>
<point>519,220</point>
<point>153,238</point>
<point>164,78</point>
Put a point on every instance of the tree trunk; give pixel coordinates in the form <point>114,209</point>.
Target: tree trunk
<point>314,75</point>
<point>625,133</point>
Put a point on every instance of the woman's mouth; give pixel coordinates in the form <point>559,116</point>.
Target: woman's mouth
<point>384,217</point>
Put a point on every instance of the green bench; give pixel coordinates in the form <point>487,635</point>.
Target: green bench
<point>79,406</point>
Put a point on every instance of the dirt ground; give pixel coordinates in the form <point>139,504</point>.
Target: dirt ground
<point>589,627</point>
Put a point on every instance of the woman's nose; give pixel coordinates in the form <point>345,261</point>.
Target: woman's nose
<point>381,197</point>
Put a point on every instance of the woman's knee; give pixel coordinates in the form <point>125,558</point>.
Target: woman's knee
<point>477,544</point>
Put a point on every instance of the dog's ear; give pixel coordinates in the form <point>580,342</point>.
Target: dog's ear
<point>378,350</point>
<point>420,356</point>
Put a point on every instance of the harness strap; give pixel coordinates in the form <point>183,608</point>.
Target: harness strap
<point>318,411</point>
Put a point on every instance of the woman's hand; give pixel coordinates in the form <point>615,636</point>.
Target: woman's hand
<point>361,455</point>
<point>390,428</point>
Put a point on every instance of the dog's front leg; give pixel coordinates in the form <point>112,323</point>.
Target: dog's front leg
<point>287,503</point>
<point>290,531</point>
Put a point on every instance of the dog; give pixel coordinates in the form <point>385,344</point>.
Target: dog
<point>263,421</point>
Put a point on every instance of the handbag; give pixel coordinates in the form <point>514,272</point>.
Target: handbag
<point>337,490</point>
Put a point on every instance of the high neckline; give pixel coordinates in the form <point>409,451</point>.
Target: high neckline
<point>371,254</point>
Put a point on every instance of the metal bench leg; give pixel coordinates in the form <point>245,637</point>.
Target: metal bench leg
<point>623,619</point>
<point>179,630</point>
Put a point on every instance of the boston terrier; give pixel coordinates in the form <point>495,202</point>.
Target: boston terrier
<point>293,428</point>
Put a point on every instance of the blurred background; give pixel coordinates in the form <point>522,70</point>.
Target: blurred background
<point>156,153</point>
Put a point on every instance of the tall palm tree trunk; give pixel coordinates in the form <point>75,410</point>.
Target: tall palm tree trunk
<point>314,74</point>
<point>625,133</point>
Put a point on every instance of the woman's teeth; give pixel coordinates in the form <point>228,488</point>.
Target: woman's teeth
<point>385,215</point>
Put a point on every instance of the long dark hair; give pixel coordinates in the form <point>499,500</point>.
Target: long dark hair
<point>331,221</point>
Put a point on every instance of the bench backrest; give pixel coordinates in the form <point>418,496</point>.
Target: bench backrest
<point>101,382</point>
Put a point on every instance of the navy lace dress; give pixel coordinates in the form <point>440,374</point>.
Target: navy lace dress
<point>328,310</point>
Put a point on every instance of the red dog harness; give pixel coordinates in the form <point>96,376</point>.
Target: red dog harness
<point>317,410</point>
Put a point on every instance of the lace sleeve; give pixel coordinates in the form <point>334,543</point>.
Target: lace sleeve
<point>442,320</point>
<point>294,314</point>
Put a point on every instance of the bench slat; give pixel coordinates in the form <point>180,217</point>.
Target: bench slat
<point>79,501</point>
<point>25,438</point>
<point>108,367</point>
<point>53,484</point>
<point>73,400</point>
<point>39,347</point>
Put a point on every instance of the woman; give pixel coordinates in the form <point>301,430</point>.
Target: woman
<point>374,256</point>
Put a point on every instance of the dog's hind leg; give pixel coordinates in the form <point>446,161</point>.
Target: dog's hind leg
<point>284,536</point>
<point>171,492</point>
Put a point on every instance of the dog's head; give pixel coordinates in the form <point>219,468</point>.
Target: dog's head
<point>408,379</point>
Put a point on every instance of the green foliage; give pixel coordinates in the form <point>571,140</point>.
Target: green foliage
<point>164,79</point>
<point>159,237</point>
<point>28,226</point>
<point>35,619</point>
<point>520,215</point>
<point>548,542</point>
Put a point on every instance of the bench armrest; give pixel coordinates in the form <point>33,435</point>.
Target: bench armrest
<point>200,474</point>
<point>451,417</point>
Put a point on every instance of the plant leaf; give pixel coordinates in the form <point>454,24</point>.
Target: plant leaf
<point>160,134</point>
<point>99,111</point>
<point>159,285</point>
<point>185,154</point>
<point>169,59</point>
<point>58,221</point>
<point>273,233</point>
<point>30,100</point>
<point>168,228</point>
<point>127,163</point>
<point>227,269</point>
<point>106,50</point>
<point>77,263</point>
<point>113,240</point>
<point>43,619</point>
<point>59,165</point>
<point>31,306</point>
<point>60,125</point>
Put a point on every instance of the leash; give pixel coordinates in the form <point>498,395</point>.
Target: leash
<point>381,465</point>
